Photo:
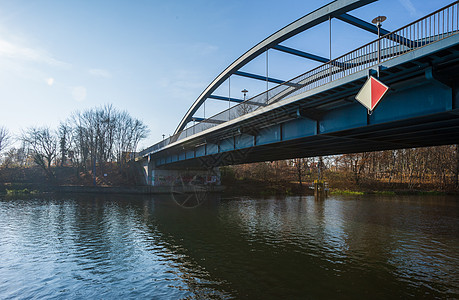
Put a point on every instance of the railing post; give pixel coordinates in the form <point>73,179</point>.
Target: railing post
<point>379,43</point>
<point>330,46</point>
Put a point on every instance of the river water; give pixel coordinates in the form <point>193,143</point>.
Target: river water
<point>109,247</point>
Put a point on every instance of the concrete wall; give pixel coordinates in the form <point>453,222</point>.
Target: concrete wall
<point>161,177</point>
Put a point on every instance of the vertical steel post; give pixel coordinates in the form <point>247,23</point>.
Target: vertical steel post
<point>229,98</point>
<point>379,43</point>
<point>267,86</point>
<point>330,46</point>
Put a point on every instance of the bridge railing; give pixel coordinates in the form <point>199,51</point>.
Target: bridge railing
<point>431,28</point>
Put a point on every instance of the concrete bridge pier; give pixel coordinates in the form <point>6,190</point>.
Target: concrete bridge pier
<point>155,176</point>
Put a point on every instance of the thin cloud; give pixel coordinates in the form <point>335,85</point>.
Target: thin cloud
<point>14,51</point>
<point>408,5</point>
<point>100,73</point>
<point>50,81</point>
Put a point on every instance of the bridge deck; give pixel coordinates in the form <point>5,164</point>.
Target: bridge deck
<point>329,102</point>
<point>317,114</point>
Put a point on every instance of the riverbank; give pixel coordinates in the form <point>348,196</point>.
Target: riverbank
<point>269,188</point>
<point>392,193</point>
<point>25,189</point>
<point>255,189</point>
<point>126,181</point>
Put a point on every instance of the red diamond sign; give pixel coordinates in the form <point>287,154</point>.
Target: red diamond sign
<point>372,91</point>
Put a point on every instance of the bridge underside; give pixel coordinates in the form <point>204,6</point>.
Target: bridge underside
<point>421,109</point>
<point>436,129</point>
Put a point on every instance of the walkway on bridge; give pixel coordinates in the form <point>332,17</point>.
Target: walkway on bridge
<point>316,112</point>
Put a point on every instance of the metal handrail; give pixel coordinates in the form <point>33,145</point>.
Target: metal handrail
<point>435,26</point>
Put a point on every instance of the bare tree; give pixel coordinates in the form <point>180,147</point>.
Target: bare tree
<point>244,108</point>
<point>5,138</point>
<point>65,141</point>
<point>43,145</point>
<point>104,134</point>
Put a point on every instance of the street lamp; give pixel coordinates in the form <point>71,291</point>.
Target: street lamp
<point>378,20</point>
<point>245,92</point>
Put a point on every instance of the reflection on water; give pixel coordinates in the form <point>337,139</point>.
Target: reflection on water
<point>92,246</point>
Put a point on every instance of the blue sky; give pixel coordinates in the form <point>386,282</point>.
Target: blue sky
<point>154,58</point>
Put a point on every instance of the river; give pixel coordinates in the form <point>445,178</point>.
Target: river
<point>123,246</point>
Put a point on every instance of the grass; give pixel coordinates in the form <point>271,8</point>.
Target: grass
<point>25,191</point>
<point>345,192</point>
<point>387,193</point>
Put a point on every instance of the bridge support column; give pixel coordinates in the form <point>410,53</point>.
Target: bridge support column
<point>162,177</point>
<point>147,165</point>
<point>150,168</point>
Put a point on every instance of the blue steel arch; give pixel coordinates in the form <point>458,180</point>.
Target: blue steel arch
<point>336,9</point>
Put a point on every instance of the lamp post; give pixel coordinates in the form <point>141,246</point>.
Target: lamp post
<point>378,20</point>
<point>244,91</point>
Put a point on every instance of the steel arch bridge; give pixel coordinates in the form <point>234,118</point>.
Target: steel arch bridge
<point>316,112</point>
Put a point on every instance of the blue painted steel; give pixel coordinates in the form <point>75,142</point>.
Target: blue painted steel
<point>416,93</point>
<point>235,100</point>
<point>201,150</point>
<point>189,154</point>
<point>269,135</point>
<point>199,119</point>
<point>298,128</point>
<point>227,144</point>
<point>244,141</point>
<point>361,24</point>
<point>301,53</point>
<point>415,101</point>
<point>225,98</point>
<point>373,29</point>
<point>181,155</point>
<point>407,103</point>
<point>421,109</point>
<point>212,149</point>
<point>350,116</point>
<point>259,77</point>
<point>314,18</point>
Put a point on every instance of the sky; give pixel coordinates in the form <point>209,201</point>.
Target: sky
<point>154,58</point>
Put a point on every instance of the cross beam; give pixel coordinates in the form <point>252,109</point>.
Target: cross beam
<point>216,97</point>
<point>308,55</point>
<point>213,121</point>
<point>361,24</point>
<point>264,78</point>
<point>374,29</point>
<point>301,53</point>
<point>337,7</point>
<point>225,98</point>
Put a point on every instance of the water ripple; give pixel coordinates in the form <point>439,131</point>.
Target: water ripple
<point>138,247</point>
